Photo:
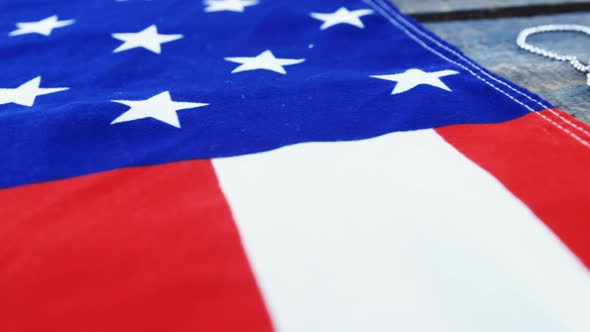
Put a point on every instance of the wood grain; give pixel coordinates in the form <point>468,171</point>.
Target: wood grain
<point>442,6</point>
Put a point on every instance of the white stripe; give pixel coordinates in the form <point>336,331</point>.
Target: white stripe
<point>398,233</point>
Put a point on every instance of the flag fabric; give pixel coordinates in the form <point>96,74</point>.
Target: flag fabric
<point>274,165</point>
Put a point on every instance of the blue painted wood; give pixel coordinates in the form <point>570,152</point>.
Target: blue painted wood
<point>492,44</point>
<point>443,6</point>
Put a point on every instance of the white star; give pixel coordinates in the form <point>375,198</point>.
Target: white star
<point>148,38</point>
<point>26,93</point>
<point>265,60</point>
<point>228,5</point>
<point>160,107</point>
<point>411,78</point>
<point>43,27</point>
<point>342,16</point>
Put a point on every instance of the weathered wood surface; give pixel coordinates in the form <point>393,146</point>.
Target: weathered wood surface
<point>492,44</point>
<point>441,6</point>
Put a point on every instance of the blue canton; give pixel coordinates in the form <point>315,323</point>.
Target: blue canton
<point>95,85</point>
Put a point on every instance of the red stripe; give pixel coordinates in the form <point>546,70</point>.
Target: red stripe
<point>547,168</point>
<point>140,249</point>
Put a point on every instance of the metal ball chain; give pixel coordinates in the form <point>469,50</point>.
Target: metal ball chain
<point>521,41</point>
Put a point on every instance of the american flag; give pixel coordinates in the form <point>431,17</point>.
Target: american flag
<point>274,165</point>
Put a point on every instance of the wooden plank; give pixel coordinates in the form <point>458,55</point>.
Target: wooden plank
<point>492,44</point>
<point>437,6</point>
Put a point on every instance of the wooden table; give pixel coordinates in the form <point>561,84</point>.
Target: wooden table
<point>486,31</point>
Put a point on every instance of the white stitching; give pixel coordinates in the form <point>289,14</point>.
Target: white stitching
<point>478,68</point>
<point>421,42</point>
<point>443,46</point>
